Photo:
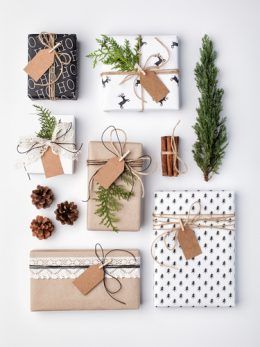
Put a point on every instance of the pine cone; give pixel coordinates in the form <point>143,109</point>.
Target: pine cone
<point>42,197</point>
<point>67,212</point>
<point>42,227</point>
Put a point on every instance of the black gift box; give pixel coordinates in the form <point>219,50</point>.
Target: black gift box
<point>66,87</point>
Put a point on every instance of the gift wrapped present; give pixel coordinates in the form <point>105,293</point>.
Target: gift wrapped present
<point>51,151</point>
<point>148,81</point>
<point>85,279</point>
<point>115,205</point>
<point>194,248</point>
<point>52,66</point>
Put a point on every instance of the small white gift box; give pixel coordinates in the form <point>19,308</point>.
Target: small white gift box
<point>36,167</point>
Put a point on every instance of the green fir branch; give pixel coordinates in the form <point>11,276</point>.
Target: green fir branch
<point>210,128</point>
<point>47,121</point>
<point>120,57</point>
<point>108,201</point>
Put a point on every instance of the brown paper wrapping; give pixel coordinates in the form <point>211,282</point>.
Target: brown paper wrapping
<point>130,214</point>
<point>62,294</point>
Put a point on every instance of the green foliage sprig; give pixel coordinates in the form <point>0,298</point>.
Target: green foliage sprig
<point>47,121</point>
<point>209,148</point>
<point>108,201</point>
<point>120,57</point>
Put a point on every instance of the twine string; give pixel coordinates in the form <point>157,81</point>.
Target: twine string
<point>130,164</point>
<point>141,70</point>
<point>41,146</point>
<point>48,41</point>
<point>102,257</point>
<point>48,143</point>
<point>191,220</point>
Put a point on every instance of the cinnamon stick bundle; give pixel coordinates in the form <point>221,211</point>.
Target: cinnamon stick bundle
<point>170,162</point>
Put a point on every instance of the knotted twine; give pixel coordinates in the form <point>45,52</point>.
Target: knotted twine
<point>141,70</point>
<point>103,260</point>
<point>48,41</point>
<point>60,143</point>
<point>179,221</point>
<point>119,151</point>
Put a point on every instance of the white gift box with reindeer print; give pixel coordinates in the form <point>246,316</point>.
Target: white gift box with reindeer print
<point>162,52</point>
<point>208,279</point>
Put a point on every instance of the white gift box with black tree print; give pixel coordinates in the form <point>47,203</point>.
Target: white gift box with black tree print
<point>209,278</point>
<point>119,96</point>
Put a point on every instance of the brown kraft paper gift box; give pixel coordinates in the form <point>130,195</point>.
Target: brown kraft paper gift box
<point>130,214</point>
<point>54,271</point>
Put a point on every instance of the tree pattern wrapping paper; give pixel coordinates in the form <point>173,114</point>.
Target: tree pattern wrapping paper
<point>121,97</point>
<point>208,279</point>
<point>67,85</point>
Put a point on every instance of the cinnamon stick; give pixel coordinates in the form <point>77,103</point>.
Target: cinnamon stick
<point>170,166</point>
<point>164,155</point>
<point>169,156</point>
<point>176,162</point>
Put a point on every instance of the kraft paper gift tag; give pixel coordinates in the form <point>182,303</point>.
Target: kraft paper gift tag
<point>153,85</point>
<point>130,214</point>
<point>109,173</point>
<point>189,243</point>
<point>51,164</point>
<point>40,63</point>
<point>53,290</point>
<point>89,279</point>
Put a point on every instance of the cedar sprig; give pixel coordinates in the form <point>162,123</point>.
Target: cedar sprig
<point>109,203</point>
<point>108,200</point>
<point>47,121</point>
<point>120,57</point>
<point>210,128</point>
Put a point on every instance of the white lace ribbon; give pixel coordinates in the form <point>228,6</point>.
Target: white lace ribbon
<point>62,143</point>
<point>73,267</point>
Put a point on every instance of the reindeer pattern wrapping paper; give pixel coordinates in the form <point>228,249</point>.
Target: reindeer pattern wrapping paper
<point>207,279</point>
<point>122,96</point>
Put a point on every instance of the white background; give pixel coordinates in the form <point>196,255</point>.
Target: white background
<point>234,27</point>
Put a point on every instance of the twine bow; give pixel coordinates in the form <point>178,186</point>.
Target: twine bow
<point>104,262</point>
<point>141,70</point>
<point>61,143</point>
<point>119,151</point>
<point>48,41</point>
<point>178,221</point>
<point>176,156</point>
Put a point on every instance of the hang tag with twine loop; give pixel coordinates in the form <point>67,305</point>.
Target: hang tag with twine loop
<point>153,85</point>
<point>110,172</point>
<point>90,278</point>
<point>51,163</point>
<point>115,166</point>
<point>41,62</point>
<point>188,241</point>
